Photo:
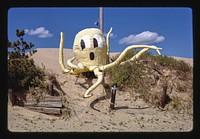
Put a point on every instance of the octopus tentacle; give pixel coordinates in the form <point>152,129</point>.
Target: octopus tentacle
<point>100,77</point>
<point>71,65</point>
<point>136,56</point>
<point>124,53</point>
<point>74,71</point>
<point>108,46</point>
<point>61,59</point>
<point>108,41</point>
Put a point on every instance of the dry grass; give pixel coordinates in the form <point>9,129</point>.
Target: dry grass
<point>147,77</point>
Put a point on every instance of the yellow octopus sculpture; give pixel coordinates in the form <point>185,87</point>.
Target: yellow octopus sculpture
<point>91,51</point>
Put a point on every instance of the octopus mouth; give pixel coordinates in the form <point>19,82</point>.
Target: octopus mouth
<point>91,56</point>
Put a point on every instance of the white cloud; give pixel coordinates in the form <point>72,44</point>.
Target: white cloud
<point>41,32</point>
<point>145,37</point>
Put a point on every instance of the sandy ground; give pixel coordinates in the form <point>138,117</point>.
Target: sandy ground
<point>93,114</point>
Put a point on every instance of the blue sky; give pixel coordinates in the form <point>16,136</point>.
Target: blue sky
<point>168,28</point>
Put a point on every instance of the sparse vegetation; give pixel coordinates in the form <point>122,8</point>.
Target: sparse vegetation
<point>22,72</point>
<point>145,77</point>
<point>176,103</point>
<point>171,63</point>
<point>121,75</point>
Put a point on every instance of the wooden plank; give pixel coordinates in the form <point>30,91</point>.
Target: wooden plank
<point>41,100</point>
<point>44,104</point>
<point>56,111</point>
<point>45,99</point>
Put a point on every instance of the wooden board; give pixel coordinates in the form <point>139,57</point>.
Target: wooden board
<point>44,104</point>
<point>56,111</point>
<point>46,98</point>
<point>45,101</point>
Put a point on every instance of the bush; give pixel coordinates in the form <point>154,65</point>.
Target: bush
<point>172,63</point>
<point>127,75</point>
<point>22,72</point>
<point>135,77</point>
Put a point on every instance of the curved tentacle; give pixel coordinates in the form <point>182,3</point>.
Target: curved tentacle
<point>108,41</point>
<point>61,59</point>
<point>71,65</point>
<point>124,53</point>
<point>100,77</point>
<point>69,62</point>
<point>108,45</point>
<point>136,56</point>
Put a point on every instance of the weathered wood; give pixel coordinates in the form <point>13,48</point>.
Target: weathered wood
<point>46,99</point>
<point>57,104</point>
<point>50,89</point>
<point>11,98</point>
<point>56,111</point>
<point>44,104</point>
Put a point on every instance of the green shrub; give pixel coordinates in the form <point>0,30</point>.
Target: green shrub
<point>171,63</point>
<point>127,75</point>
<point>133,76</point>
<point>22,72</point>
<point>130,73</point>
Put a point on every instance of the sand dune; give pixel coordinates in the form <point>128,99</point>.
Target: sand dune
<point>93,114</point>
<point>50,58</point>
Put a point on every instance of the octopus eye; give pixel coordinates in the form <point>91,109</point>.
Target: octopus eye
<point>82,44</point>
<point>98,41</point>
<point>95,42</point>
<point>85,42</point>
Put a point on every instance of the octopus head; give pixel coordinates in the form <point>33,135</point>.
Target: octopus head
<point>90,47</point>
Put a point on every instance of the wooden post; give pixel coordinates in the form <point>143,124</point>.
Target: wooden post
<point>50,89</point>
<point>11,98</point>
<point>113,91</point>
<point>101,19</point>
<point>163,96</point>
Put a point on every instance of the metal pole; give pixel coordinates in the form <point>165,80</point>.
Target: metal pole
<point>101,19</point>
<point>113,90</point>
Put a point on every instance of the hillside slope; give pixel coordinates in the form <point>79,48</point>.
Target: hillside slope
<point>132,113</point>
